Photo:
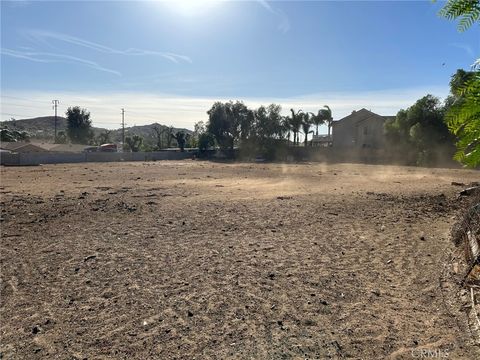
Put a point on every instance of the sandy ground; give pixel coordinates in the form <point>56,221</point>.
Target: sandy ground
<point>197,260</point>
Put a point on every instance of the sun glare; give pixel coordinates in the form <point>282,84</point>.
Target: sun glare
<point>191,8</point>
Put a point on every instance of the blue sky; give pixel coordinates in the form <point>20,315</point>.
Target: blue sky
<point>168,61</point>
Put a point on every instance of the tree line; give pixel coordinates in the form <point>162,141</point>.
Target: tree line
<point>419,133</point>
<point>424,134</point>
<point>259,131</point>
<point>230,125</point>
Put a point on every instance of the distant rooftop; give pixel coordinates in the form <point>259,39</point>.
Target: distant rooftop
<point>21,146</point>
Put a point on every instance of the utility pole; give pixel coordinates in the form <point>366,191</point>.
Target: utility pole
<point>123,130</point>
<point>55,104</point>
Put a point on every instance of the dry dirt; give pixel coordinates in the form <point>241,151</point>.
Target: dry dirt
<point>198,260</point>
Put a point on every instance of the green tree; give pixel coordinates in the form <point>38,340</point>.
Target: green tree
<point>159,135</point>
<point>326,115</point>
<point>168,135</point>
<point>295,124</point>
<point>205,141</point>
<point>61,137</point>
<point>317,120</point>
<point>181,139</point>
<point>240,119</point>
<point>134,143</point>
<point>267,133</point>
<point>221,125</point>
<point>419,132</point>
<point>463,118</point>
<point>268,122</point>
<point>104,137</point>
<point>79,125</point>
<point>247,123</point>
<point>287,129</point>
<point>306,125</point>
<point>9,135</point>
<point>458,81</point>
<point>198,129</point>
<point>188,140</point>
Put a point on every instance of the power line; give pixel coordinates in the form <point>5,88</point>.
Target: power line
<point>55,104</point>
<point>123,129</point>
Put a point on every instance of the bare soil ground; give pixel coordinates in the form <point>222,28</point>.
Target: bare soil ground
<point>197,260</point>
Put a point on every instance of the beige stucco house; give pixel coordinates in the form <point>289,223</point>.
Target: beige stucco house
<point>360,129</point>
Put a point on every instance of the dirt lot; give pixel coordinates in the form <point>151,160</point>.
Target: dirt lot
<point>196,260</point>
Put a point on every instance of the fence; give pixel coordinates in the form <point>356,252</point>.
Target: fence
<point>23,159</point>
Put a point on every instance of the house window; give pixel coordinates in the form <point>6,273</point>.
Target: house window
<point>365,130</point>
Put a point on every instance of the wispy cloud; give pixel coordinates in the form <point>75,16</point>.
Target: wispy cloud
<point>284,23</point>
<point>467,48</point>
<point>17,3</point>
<point>44,57</point>
<point>41,36</point>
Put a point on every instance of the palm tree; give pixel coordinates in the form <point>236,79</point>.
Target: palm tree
<point>317,120</point>
<point>327,118</point>
<point>306,124</point>
<point>286,128</point>
<point>295,124</point>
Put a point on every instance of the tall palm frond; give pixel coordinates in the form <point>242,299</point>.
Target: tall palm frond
<point>317,120</point>
<point>306,124</point>
<point>296,123</point>
<point>327,117</point>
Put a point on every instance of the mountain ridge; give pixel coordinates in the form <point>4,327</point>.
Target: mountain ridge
<point>43,128</point>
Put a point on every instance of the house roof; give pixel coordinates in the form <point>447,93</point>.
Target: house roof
<point>21,146</point>
<point>360,115</point>
<point>11,145</point>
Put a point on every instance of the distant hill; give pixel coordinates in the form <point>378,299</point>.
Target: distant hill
<point>43,128</point>
<point>39,128</point>
<point>145,131</point>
